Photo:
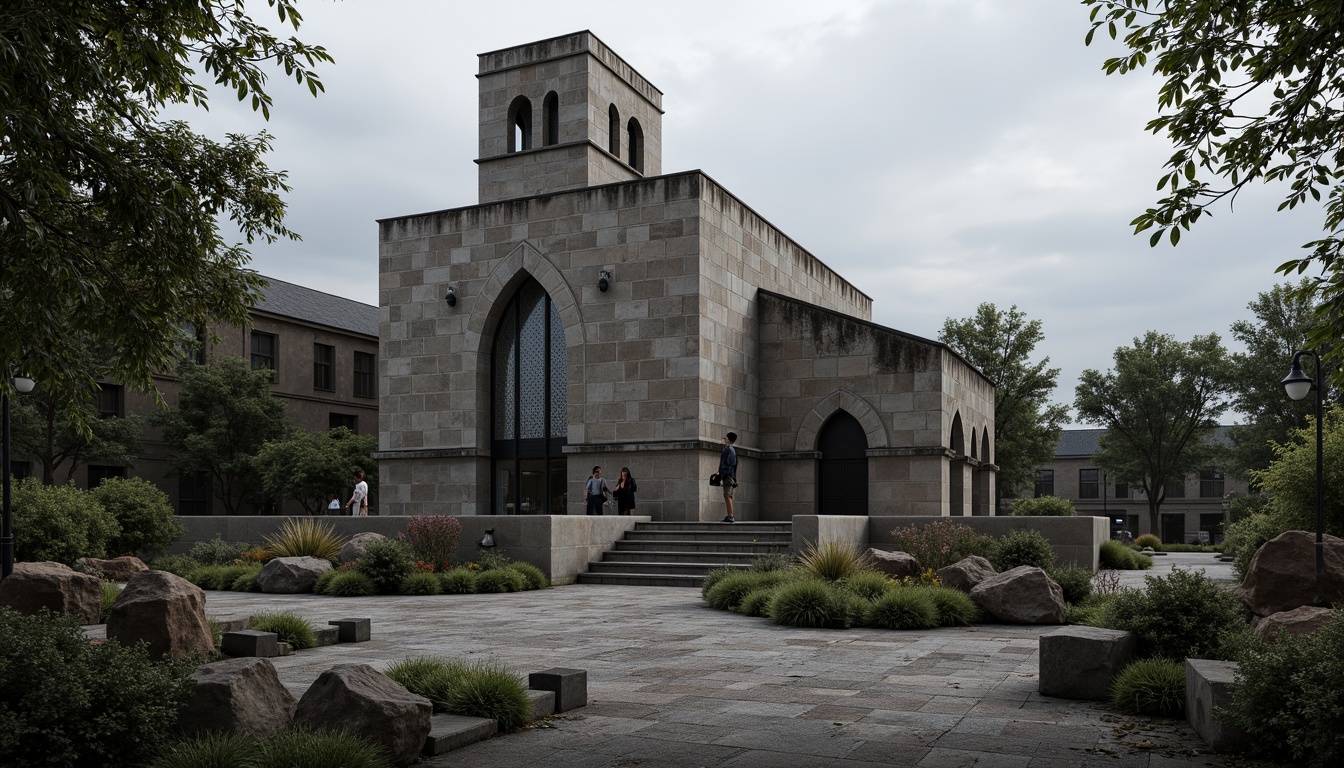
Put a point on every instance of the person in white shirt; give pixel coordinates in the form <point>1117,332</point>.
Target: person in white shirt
<point>360,498</point>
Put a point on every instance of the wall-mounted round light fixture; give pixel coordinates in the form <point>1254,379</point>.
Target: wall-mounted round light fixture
<point>603,280</point>
<point>451,296</point>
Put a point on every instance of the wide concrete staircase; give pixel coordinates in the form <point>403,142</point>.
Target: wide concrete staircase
<point>680,554</point>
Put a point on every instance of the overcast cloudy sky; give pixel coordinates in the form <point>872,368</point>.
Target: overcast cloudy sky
<point>938,153</point>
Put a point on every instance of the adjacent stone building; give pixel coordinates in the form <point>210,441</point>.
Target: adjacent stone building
<point>591,310</point>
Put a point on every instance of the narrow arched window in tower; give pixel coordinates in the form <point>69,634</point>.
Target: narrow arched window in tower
<point>636,142</point>
<point>520,124</point>
<point>530,392</point>
<point>550,120</point>
<point>614,130</point>
<point>842,472</point>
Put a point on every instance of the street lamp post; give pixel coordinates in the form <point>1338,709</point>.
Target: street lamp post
<point>1297,384</point>
<point>23,385</point>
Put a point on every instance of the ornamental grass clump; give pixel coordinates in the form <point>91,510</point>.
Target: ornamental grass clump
<point>1023,547</point>
<point>481,689</point>
<point>809,603</point>
<point>432,538</point>
<point>714,576</point>
<point>533,577</point>
<point>904,608</point>
<point>756,602</point>
<point>1116,556</point>
<point>772,561</point>
<point>350,583</point>
<point>324,579</point>
<point>869,585</point>
<point>220,577</point>
<point>212,750</point>
<point>110,594</point>
<point>1183,615</point>
<point>954,607</point>
<point>727,594</point>
<point>833,560</point>
<point>499,580</point>
<point>421,583</point>
<point>942,543</point>
<point>291,628</point>
<point>1154,687</point>
<point>1149,541</point>
<point>246,582</point>
<point>1090,611</point>
<point>305,537</point>
<point>294,748</point>
<point>458,581</point>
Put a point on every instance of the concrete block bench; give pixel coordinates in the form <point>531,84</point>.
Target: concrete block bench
<point>570,686</point>
<point>1079,662</point>
<point>353,630</point>
<point>449,732</point>
<point>1208,688</point>
<point>250,642</point>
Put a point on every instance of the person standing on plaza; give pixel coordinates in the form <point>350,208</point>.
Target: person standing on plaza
<point>595,492</point>
<point>360,498</point>
<point>728,473</point>
<point>625,493</point>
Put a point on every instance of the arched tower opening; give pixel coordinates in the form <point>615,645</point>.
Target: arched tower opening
<point>842,472</point>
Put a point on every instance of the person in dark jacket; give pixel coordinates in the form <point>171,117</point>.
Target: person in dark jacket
<point>625,493</point>
<point>728,473</point>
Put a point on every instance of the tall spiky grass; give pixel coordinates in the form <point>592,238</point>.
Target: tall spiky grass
<point>305,537</point>
<point>834,560</point>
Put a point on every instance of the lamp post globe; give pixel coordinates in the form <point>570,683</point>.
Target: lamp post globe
<point>1297,384</point>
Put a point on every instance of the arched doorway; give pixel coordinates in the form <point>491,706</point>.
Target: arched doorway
<point>842,472</point>
<point>530,391</point>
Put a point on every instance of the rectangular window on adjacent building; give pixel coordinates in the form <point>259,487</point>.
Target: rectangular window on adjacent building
<point>193,344</point>
<point>363,374</point>
<point>1089,483</point>
<point>97,474</point>
<point>1045,483</point>
<point>1210,483</point>
<point>1174,490</point>
<point>107,398</point>
<point>263,350</point>
<point>347,420</point>
<point>324,367</point>
<point>1122,490</point>
<point>193,494</point>
<point>1211,525</point>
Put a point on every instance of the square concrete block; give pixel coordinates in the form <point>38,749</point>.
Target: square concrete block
<point>353,630</point>
<point>570,686</point>
<point>543,704</point>
<point>250,642</point>
<point>327,636</point>
<point>1079,662</point>
<point>1208,688</point>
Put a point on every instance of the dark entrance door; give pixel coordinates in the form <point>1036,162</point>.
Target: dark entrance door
<point>842,473</point>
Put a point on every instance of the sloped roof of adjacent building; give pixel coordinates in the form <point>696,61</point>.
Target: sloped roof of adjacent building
<point>308,305</point>
<point>1085,442</point>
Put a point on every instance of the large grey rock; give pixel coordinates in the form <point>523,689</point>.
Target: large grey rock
<point>1023,595</point>
<point>166,611</point>
<point>355,547</point>
<point>1080,662</point>
<point>116,568</point>
<point>291,575</point>
<point>56,587</point>
<point>966,573</point>
<point>1208,696</point>
<point>1297,622</point>
<point>359,698</point>
<point>237,696</point>
<point>898,565</point>
<point>1282,575</point>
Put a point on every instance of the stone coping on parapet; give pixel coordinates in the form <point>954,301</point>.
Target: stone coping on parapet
<point>670,445</point>
<point>567,46</point>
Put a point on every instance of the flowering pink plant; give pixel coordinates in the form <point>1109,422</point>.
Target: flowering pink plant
<point>420,566</point>
<point>432,538</point>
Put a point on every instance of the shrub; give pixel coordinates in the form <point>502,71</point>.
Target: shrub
<point>212,750</point>
<point>833,560</point>
<point>533,578</point>
<point>773,561</point>
<point>432,538</point>
<point>1153,687</point>
<point>1149,540</point>
<point>324,580</point>
<point>178,565</point>
<point>221,576</point>
<point>306,537</point>
<point>458,581</point>
<point>808,603</point>
<point>1289,696</point>
<point>942,543</point>
<point>351,583</point>
<point>110,594</point>
<point>1118,557</point>
<point>59,523</point>
<point>1246,536</point>
<point>291,628</point>
<point>1044,506</point>
<point>1241,507</point>
<point>421,584</point>
<point>1023,547</point>
<point>499,580</point>
<point>756,602</point>
<point>143,513</point>
<point>868,585</point>
<point>246,582</point>
<point>955,608</point>
<point>387,563</point>
<point>714,576</point>
<point>1179,616</point>
<point>904,608</point>
<point>492,559</point>
<point>1075,580</point>
<point>66,701</point>
<point>300,748</point>
<point>1090,611</point>
<point>217,551</point>
<point>727,594</point>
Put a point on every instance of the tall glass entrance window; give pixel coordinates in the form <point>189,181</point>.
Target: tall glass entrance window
<point>530,390</point>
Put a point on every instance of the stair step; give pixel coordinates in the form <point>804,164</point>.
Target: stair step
<point>684,556</point>
<point>680,569</point>
<point>640,579</point>
<point>747,547</point>
<point>783,528</point>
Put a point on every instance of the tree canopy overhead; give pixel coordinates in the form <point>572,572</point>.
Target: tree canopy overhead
<point>1253,91</point>
<point>108,212</point>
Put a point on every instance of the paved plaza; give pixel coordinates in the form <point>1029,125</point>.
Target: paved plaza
<point>674,683</point>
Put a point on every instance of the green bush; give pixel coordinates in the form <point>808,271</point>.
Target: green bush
<point>808,603</point>
<point>291,628</point>
<point>212,750</point>
<point>1245,537</point>
<point>869,585</point>
<point>1154,687</point>
<point>498,580</point>
<point>387,563</point>
<point>904,608</point>
<point>772,561</point>
<point>1148,541</point>
<point>110,594</point>
<point>1290,479</point>
<point>178,565</point>
<point>756,602</point>
<point>217,551</point>
<point>59,523</point>
<point>1241,507</point>
<point>942,543</point>
<point>1023,547</point>
<point>246,582</point>
<point>833,560</point>
<point>1075,580</point>
<point>67,702</point>
<point>351,583</point>
<point>1289,696</point>
<point>955,608</point>
<point>1179,616</point>
<point>482,689</point>
<point>1118,557</point>
<point>458,581</point>
<point>422,583</point>
<point>727,594</point>
<point>532,575</point>
<point>714,576</point>
<point>1044,506</point>
<point>143,513</point>
<point>1091,611</point>
<point>221,577</point>
<point>324,580</point>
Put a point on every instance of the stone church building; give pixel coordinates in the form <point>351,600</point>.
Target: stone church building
<point>591,309</point>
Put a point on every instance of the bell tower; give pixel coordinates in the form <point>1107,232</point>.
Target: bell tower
<point>564,113</point>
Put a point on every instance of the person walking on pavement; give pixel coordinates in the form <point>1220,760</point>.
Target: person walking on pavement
<point>360,498</point>
<point>595,492</point>
<point>625,493</point>
<point>728,473</point>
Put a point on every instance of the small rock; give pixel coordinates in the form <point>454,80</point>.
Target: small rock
<point>114,569</point>
<point>355,547</point>
<point>291,575</point>
<point>966,573</point>
<point>56,587</point>
<point>898,565</point>
<point>1023,595</point>
<point>1297,622</point>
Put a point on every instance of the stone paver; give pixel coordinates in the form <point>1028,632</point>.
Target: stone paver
<point>674,683</point>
